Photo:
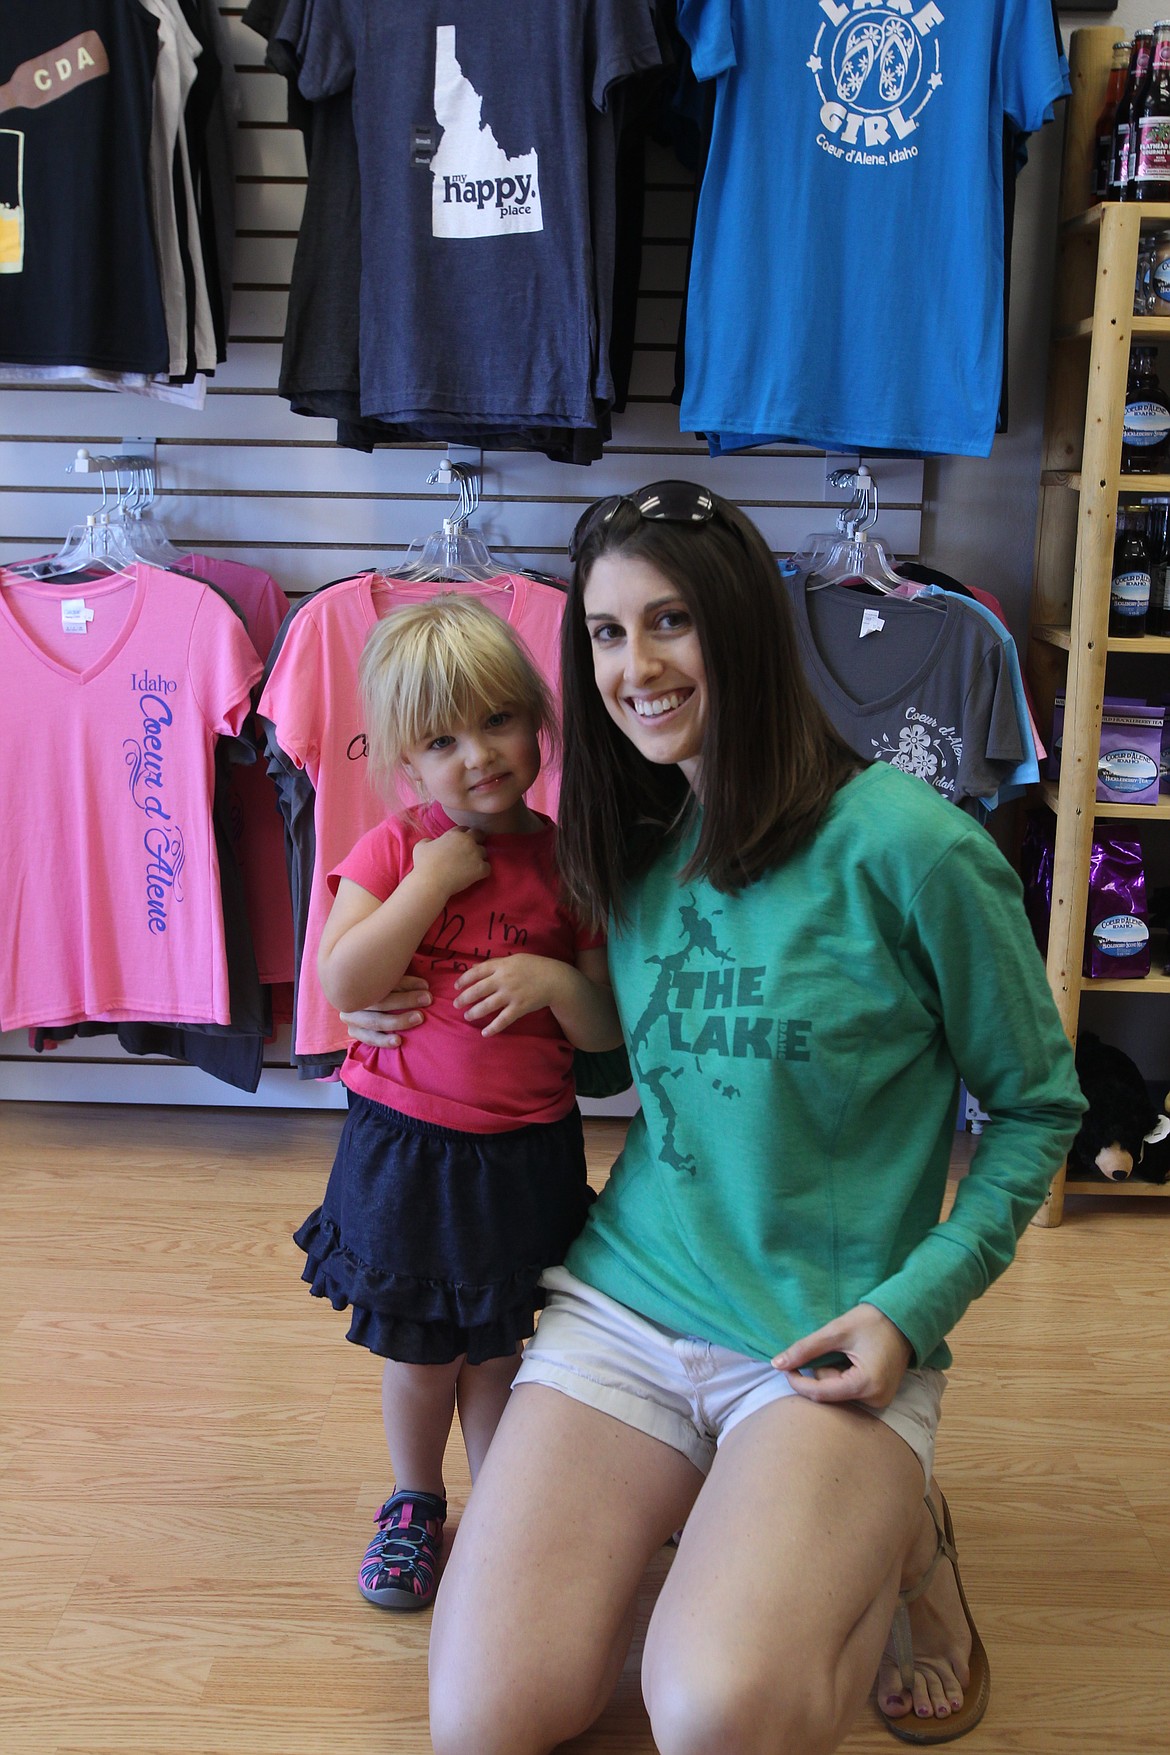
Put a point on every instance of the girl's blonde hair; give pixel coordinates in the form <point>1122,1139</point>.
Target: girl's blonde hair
<point>435,665</point>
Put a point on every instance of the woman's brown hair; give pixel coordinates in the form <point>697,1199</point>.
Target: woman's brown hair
<point>770,763</point>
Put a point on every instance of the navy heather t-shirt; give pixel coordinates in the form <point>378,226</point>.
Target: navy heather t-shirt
<point>477,295</point>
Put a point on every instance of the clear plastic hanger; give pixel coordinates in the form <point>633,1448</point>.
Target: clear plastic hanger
<point>147,537</point>
<point>100,542</point>
<point>854,556</point>
<point>116,535</point>
<point>454,553</point>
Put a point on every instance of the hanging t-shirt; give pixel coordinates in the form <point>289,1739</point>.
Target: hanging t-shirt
<point>846,287</point>
<point>79,278</point>
<point>924,689</point>
<point>450,1073</point>
<point>311,699</point>
<point>253,811</point>
<point>477,292</point>
<point>114,695</point>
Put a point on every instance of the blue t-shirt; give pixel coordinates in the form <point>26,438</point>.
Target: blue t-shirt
<point>847,280</point>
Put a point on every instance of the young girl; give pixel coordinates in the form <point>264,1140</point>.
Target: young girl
<point>460,1173</point>
<point>749,1335</point>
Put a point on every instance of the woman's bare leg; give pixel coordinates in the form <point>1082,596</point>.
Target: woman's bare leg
<point>941,1636</point>
<point>535,1612</point>
<point>767,1634</point>
<point>481,1392</point>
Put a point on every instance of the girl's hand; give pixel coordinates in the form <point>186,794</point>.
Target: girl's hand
<point>507,988</point>
<point>454,861</point>
<point>878,1354</point>
<point>383,1025</point>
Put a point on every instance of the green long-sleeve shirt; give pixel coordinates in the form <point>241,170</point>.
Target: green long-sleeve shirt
<point>797,1049</point>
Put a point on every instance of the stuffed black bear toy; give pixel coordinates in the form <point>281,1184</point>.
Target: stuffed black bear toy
<point>1123,1133</point>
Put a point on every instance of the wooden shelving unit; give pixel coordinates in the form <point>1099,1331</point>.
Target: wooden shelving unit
<point>1069,648</point>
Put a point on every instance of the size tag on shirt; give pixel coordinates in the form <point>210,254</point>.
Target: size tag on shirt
<point>75,618</point>
<point>423,145</point>
<point>871,623</point>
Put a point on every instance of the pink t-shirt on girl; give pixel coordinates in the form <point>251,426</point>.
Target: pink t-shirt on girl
<point>311,699</point>
<point>447,1071</point>
<point>114,694</point>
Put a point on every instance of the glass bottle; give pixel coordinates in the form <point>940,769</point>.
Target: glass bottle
<point>1129,588</point>
<point>1145,434</point>
<point>1150,145</point>
<point>1158,544</point>
<point>1139,66</point>
<point>1143,283</point>
<point>1103,132</point>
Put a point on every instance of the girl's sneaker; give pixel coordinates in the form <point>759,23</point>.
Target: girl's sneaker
<point>401,1565</point>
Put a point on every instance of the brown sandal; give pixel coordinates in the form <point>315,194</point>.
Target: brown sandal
<point>911,1728</point>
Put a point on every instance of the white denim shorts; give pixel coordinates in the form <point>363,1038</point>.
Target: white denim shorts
<point>687,1392</point>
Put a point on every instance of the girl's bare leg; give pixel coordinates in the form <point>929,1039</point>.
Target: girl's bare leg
<point>534,1616</point>
<point>481,1392</point>
<point>418,1405</point>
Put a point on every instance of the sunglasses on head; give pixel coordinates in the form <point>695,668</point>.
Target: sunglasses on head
<point>662,502</point>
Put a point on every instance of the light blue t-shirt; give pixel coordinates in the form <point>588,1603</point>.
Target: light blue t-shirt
<point>846,286</point>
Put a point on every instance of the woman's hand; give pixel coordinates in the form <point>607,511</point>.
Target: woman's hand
<point>384,1025</point>
<point>878,1354</point>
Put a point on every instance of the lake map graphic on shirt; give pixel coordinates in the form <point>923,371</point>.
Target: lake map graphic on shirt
<point>478,191</point>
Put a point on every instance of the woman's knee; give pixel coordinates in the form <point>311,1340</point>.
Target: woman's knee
<point>461,1726</point>
<point>487,1720</point>
<point>709,1713</point>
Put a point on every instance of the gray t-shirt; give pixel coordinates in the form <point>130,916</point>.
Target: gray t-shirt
<point>923,689</point>
<point>477,292</point>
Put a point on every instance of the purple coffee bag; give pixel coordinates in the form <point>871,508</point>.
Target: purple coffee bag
<point>1117,933</point>
<point>1036,873</point>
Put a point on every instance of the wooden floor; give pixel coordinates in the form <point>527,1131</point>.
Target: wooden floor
<point>190,1455</point>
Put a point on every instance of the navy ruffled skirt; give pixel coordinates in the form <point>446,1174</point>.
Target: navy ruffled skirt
<point>437,1238</point>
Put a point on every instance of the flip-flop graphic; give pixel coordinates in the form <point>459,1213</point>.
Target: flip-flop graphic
<point>894,60</point>
<point>862,47</point>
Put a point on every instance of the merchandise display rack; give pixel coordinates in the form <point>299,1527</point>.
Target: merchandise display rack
<point>1069,646</point>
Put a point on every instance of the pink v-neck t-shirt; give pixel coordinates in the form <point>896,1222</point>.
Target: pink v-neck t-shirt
<point>311,699</point>
<point>109,714</point>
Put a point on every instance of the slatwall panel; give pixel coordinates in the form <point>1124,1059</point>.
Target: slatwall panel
<point>247,479</point>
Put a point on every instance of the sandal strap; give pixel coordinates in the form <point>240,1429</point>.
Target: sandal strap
<point>900,1631</point>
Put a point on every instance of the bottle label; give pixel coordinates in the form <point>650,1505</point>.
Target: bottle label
<point>1102,162</point>
<point>1161,54</point>
<point>1153,153</point>
<point>1161,280</point>
<point>1145,424</point>
<point>1160,587</point>
<point>1129,593</point>
<point>1121,155</point>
